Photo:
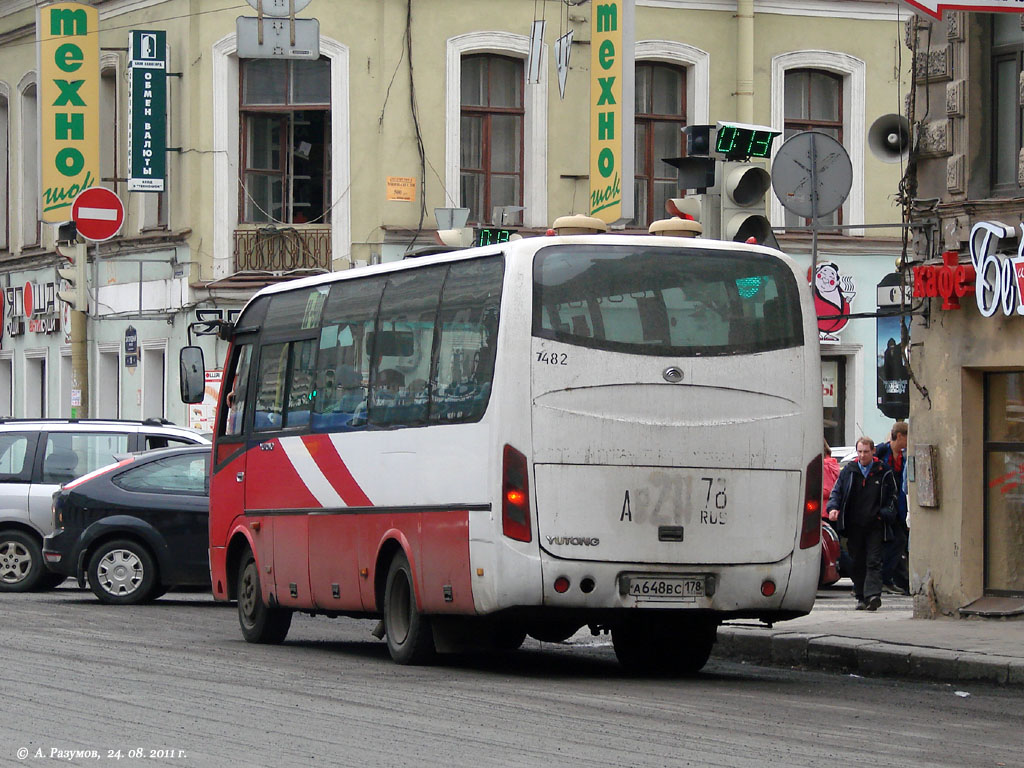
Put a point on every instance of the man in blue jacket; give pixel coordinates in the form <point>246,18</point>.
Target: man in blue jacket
<point>895,576</point>
<point>862,504</point>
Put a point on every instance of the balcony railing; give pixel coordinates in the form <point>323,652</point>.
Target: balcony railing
<point>282,249</point>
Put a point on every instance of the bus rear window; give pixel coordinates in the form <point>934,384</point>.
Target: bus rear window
<point>665,301</point>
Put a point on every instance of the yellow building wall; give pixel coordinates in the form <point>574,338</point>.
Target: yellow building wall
<point>382,134</point>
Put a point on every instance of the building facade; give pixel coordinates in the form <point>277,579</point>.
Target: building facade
<point>281,167</point>
<point>967,429</point>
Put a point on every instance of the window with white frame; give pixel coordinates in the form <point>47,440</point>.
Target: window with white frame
<point>29,141</point>
<point>533,155</point>
<point>660,116</point>
<point>285,114</point>
<point>154,376</point>
<point>823,90</point>
<point>35,384</point>
<point>109,143</point>
<point>107,397</point>
<point>66,380</point>
<point>1007,124</point>
<point>5,116</point>
<point>491,130</point>
<point>6,384</point>
<point>814,102</point>
<point>228,194</point>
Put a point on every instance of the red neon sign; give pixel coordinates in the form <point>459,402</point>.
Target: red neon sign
<point>952,281</point>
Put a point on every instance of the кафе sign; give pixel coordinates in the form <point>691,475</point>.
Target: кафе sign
<point>995,279</point>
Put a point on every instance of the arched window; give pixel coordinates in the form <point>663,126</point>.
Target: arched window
<point>660,115</point>
<point>491,136</point>
<point>814,102</point>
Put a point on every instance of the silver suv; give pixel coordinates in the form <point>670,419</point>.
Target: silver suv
<point>37,456</point>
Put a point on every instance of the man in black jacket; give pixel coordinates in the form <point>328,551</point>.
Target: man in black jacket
<point>862,503</point>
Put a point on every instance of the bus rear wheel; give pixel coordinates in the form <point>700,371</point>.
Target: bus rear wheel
<point>408,633</point>
<point>260,623</point>
<point>667,647</point>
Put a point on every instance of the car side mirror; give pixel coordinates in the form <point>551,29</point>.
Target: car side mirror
<point>192,374</point>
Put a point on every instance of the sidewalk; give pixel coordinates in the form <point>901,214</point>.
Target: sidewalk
<point>888,642</point>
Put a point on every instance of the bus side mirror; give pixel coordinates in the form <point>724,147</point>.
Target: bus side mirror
<point>192,374</point>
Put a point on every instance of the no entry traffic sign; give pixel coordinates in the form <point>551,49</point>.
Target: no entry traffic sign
<point>98,213</point>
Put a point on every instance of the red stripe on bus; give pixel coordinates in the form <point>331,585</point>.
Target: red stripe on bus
<point>337,473</point>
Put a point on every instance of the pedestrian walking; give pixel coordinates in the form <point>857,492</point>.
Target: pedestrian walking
<point>829,475</point>
<point>862,503</point>
<point>895,570</point>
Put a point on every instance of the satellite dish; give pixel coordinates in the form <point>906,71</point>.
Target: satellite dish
<point>812,174</point>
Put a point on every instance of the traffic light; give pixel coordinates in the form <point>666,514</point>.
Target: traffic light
<point>744,187</point>
<point>77,293</point>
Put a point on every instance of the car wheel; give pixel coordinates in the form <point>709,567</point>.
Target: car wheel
<point>408,632</point>
<point>260,623</point>
<point>122,572</point>
<point>21,562</point>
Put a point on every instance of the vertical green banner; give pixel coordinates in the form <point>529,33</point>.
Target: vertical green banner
<point>147,104</point>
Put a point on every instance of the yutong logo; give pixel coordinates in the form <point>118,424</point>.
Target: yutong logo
<point>574,541</point>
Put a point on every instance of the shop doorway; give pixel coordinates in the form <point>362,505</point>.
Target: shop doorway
<point>1004,483</point>
<point>833,397</point>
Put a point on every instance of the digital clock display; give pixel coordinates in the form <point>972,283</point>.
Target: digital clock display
<point>738,142</point>
<point>491,235</point>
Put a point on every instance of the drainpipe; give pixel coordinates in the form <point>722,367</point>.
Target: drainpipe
<point>745,61</point>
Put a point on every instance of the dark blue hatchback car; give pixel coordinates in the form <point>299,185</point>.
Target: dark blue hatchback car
<point>137,528</point>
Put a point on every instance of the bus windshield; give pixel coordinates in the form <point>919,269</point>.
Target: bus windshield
<point>665,301</point>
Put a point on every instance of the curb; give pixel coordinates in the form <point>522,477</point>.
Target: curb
<point>850,655</point>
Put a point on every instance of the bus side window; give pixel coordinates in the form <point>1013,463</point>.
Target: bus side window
<point>402,346</point>
<point>343,362</point>
<point>301,388</point>
<point>237,383</point>
<point>270,387</point>
<point>467,341</point>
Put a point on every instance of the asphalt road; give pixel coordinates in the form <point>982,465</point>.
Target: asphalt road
<point>175,682</point>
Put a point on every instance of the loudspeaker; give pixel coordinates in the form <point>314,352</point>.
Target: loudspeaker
<point>889,138</point>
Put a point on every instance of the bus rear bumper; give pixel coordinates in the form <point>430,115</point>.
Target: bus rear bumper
<point>769,591</point>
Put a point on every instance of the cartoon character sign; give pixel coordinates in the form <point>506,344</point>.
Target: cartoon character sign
<point>833,293</point>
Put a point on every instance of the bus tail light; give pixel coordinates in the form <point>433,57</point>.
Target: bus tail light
<point>515,495</point>
<point>810,533</point>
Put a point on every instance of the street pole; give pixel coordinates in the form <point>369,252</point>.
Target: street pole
<point>79,346</point>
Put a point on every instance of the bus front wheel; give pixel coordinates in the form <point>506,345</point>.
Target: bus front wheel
<point>408,633</point>
<point>260,623</point>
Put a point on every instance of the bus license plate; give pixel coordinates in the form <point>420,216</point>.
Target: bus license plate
<point>681,589</point>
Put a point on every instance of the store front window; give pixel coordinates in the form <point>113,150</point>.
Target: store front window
<point>1004,483</point>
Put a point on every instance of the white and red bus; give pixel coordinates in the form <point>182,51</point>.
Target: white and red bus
<point>527,438</point>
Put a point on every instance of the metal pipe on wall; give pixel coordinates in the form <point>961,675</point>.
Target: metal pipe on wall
<point>745,61</point>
